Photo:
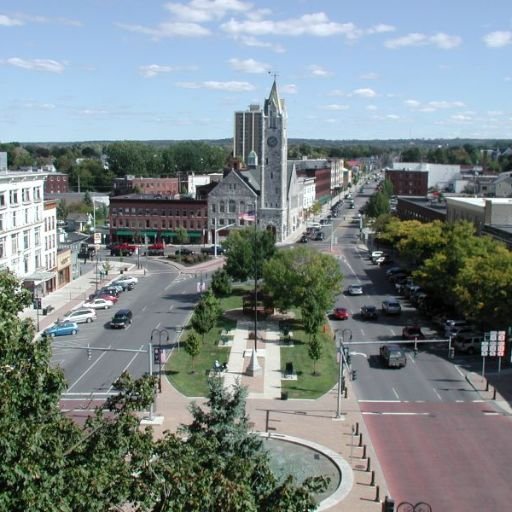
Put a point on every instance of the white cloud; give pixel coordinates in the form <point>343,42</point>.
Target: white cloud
<point>6,21</point>
<point>335,106</point>
<point>316,70</point>
<point>199,11</point>
<point>432,106</point>
<point>445,104</point>
<point>369,76</point>
<point>38,106</point>
<point>461,117</point>
<point>498,39</point>
<point>169,29</point>
<point>381,28</point>
<point>336,92</point>
<point>495,113</point>
<point>372,107</point>
<point>364,93</point>
<point>232,86</point>
<point>253,42</point>
<point>152,70</point>
<point>412,103</point>
<point>392,116</point>
<point>249,65</point>
<point>289,89</point>
<point>440,40</point>
<point>45,19</point>
<point>49,65</point>
<point>316,24</point>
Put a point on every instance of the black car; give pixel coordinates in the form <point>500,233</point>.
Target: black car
<point>369,312</point>
<point>122,319</point>
<point>320,236</point>
<point>184,251</point>
<point>304,239</point>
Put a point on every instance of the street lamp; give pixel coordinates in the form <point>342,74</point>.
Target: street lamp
<point>346,336</point>
<point>160,333</point>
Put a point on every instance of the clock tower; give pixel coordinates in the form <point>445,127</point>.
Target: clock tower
<point>274,183</point>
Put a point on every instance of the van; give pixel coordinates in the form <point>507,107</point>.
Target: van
<point>451,326</point>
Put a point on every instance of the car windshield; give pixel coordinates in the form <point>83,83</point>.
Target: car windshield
<point>395,354</point>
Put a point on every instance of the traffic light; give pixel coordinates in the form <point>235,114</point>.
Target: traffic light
<point>388,505</point>
<point>346,355</point>
<point>353,374</point>
<point>37,303</point>
<point>156,355</point>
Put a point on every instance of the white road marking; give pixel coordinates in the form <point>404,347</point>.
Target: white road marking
<point>395,392</point>
<point>397,413</point>
<point>127,366</point>
<point>144,308</point>
<point>459,370</point>
<point>380,401</point>
<point>438,395</point>
<point>88,370</point>
<point>170,307</point>
<point>359,354</point>
<point>363,333</point>
<point>157,325</point>
<point>392,331</point>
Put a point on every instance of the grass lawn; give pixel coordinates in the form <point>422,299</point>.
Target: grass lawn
<point>193,381</point>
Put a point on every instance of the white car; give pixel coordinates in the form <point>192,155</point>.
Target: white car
<point>126,279</point>
<point>98,304</point>
<point>80,316</point>
<point>355,289</point>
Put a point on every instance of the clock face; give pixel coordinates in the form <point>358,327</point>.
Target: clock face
<point>272,141</point>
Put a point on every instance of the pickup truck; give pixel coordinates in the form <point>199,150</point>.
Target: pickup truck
<point>122,249</point>
<point>211,250</point>
<point>156,249</point>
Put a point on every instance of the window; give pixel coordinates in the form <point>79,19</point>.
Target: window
<point>222,208</point>
<point>26,239</point>
<point>37,193</point>
<point>14,243</point>
<point>14,219</point>
<point>26,215</point>
<point>25,264</point>
<point>2,200</point>
<point>232,206</point>
<point>1,221</point>
<point>13,196</point>
<point>38,259</point>
<point>2,247</point>
<point>37,236</point>
<point>25,193</point>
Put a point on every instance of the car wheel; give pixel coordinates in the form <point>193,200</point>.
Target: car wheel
<point>89,320</point>
<point>73,332</point>
<point>471,351</point>
<point>52,335</point>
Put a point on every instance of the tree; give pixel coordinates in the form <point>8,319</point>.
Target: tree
<point>377,205</point>
<point>192,346</point>
<point>302,277</point>
<point>206,314</point>
<point>247,249</point>
<point>314,351</point>
<point>87,200</point>
<point>221,283</point>
<point>62,210</point>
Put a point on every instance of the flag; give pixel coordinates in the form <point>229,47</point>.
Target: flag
<point>248,216</point>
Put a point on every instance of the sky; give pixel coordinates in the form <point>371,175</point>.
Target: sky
<point>81,70</point>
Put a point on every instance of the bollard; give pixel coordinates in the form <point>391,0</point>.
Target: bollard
<point>363,456</point>
<point>368,465</point>
<point>356,428</point>
<point>377,493</point>
<point>494,394</point>
<point>372,480</point>
<point>360,440</point>
<point>486,385</point>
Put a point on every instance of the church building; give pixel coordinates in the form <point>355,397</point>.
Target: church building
<point>261,188</point>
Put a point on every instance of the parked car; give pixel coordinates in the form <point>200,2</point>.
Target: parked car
<point>111,290</point>
<point>383,260</point>
<point>304,239</point>
<point>184,251</point>
<point>62,329</point>
<point>412,332</point>
<point>369,312</point>
<point>99,303</point>
<point>81,315</point>
<point>126,279</point>
<point>211,250</point>
<point>391,307</point>
<point>355,289</point>
<point>122,319</point>
<point>376,254</point>
<point>463,330</point>
<point>469,343</point>
<point>394,270</point>
<point>451,326</point>
<point>341,314</point>
<point>320,236</point>
<point>393,356</point>
<point>106,296</point>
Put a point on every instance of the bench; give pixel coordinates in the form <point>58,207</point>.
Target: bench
<point>288,369</point>
<point>48,309</point>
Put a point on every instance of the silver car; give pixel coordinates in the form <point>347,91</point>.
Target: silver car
<point>80,316</point>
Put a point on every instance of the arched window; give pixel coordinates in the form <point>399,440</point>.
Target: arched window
<point>222,207</point>
<point>232,206</point>
<point>241,207</point>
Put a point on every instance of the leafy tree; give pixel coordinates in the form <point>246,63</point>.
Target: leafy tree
<point>192,346</point>
<point>87,200</point>
<point>62,210</point>
<point>314,351</point>
<point>302,277</point>
<point>411,155</point>
<point>181,235</point>
<point>221,283</point>
<point>377,205</point>
<point>247,249</point>
<point>206,314</point>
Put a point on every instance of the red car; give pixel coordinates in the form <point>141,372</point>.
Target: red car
<point>105,296</point>
<point>412,332</point>
<point>341,314</point>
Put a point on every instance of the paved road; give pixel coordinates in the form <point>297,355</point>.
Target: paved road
<point>435,439</point>
<point>163,299</point>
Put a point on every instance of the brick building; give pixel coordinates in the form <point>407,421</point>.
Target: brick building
<point>56,183</point>
<point>146,218</point>
<point>141,185</point>
<point>408,182</point>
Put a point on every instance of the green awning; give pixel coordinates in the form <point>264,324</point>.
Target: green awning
<point>125,232</point>
<point>149,233</point>
<point>168,233</point>
<point>194,234</point>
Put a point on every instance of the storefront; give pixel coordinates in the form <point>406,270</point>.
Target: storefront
<point>63,267</point>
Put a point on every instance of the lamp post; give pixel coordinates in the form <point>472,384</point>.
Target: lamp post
<point>346,336</point>
<point>254,367</point>
<point>160,333</point>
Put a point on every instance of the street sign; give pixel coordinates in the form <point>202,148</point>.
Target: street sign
<point>501,348</point>
<point>97,238</point>
<point>37,303</point>
<point>485,348</point>
<point>501,335</point>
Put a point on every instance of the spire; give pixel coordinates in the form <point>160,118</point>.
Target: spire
<point>273,98</point>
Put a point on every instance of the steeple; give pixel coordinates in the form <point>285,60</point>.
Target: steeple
<point>273,99</point>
